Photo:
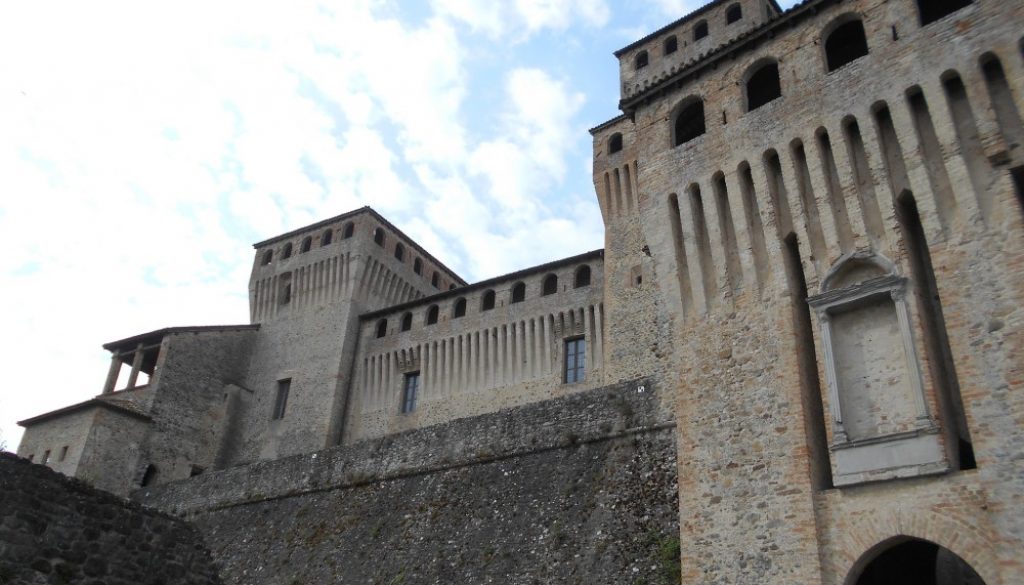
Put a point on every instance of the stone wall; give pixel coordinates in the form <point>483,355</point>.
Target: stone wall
<point>58,530</point>
<point>577,489</point>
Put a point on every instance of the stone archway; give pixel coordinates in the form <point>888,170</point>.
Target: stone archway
<point>905,560</point>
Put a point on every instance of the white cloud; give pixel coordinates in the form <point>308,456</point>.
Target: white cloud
<point>523,18</point>
<point>674,9</point>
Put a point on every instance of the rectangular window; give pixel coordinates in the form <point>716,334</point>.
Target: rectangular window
<point>575,359</point>
<point>46,457</point>
<point>412,384</point>
<point>281,402</point>
<point>63,453</point>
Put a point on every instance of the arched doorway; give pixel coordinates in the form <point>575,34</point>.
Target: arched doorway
<point>912,561</point>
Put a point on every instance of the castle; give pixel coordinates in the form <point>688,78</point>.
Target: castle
<point>797,358</point>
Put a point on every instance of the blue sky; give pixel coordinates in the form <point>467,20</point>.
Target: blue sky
<point>144,147</point>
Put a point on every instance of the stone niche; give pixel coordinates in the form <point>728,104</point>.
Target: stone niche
<point>881,427</point>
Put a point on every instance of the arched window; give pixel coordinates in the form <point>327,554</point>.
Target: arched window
<point>904,559</point>
<point>671,45</point>
<point>327,238</point>
<point>518,292</point>
<point>417,266</point>
<point>550,285</point>
<point>488,301</point>
<point>286,252</point>
<point>582,277</point>
<point>615,143</point>
<point>432,315</point>
<point>763,85</point>
<point>689,121</point>
<point>307,243</point>
<point>700,30</point>
<point>932,10</point>
<point>845,43</point>
<point>399,252</point>
<point>641,60</point>
<point>406,321</point>
<point>268,256</point>
<point>382,328</point>
<point>733,14</point>
<point>434,279</point>
<point>378,237</point>
<point>460,308</point>
<point>348,230</point>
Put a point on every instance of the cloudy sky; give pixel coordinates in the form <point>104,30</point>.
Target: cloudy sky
<point>145,146</point>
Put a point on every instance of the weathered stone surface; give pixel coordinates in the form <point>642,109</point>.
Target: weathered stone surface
<point>54,529</point>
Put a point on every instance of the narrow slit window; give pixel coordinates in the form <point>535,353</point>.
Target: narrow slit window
<point>409,390</point>
<point>281,399</point>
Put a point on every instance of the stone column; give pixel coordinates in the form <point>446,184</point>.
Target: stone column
<point>115,369</point>
<point>136,366</point>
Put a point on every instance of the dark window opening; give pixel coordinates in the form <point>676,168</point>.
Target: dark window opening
<point>63,453</point>
<point>382,328</point>
<point>615,143</point>
<point>550,285</point>
<point>763,86</point>
<point>417,266</point>
<point>488,301</point>
<point>409,388</point>
<point>434,279</point>
<point>689,123</point>
<point>327,238</point>
<point>451,287</point>
<point>307,243</point>
<point>348,231</point>
<point>845,44</point>
<point>575,360</point>
<point>932,10</point>
<point>399,252</point>
<point>378,237</point>
<point>700,31</point>
<point>267,257</point>
<point>1017,174</point>
<point>149,476</point>
<point>582,277</point>
<point>641,60</point>
<point>639,279</point>
<point>281,400</point>
<point>406,321</point>
<point>518,292</point>
<point>432,315</point>
<point>671,45</point>
<point>46,457</point>
<point>460,309</point>
<point>286,293</point>
<point>733,14</point>
<point>195,470</point>
<point>287,251</point>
